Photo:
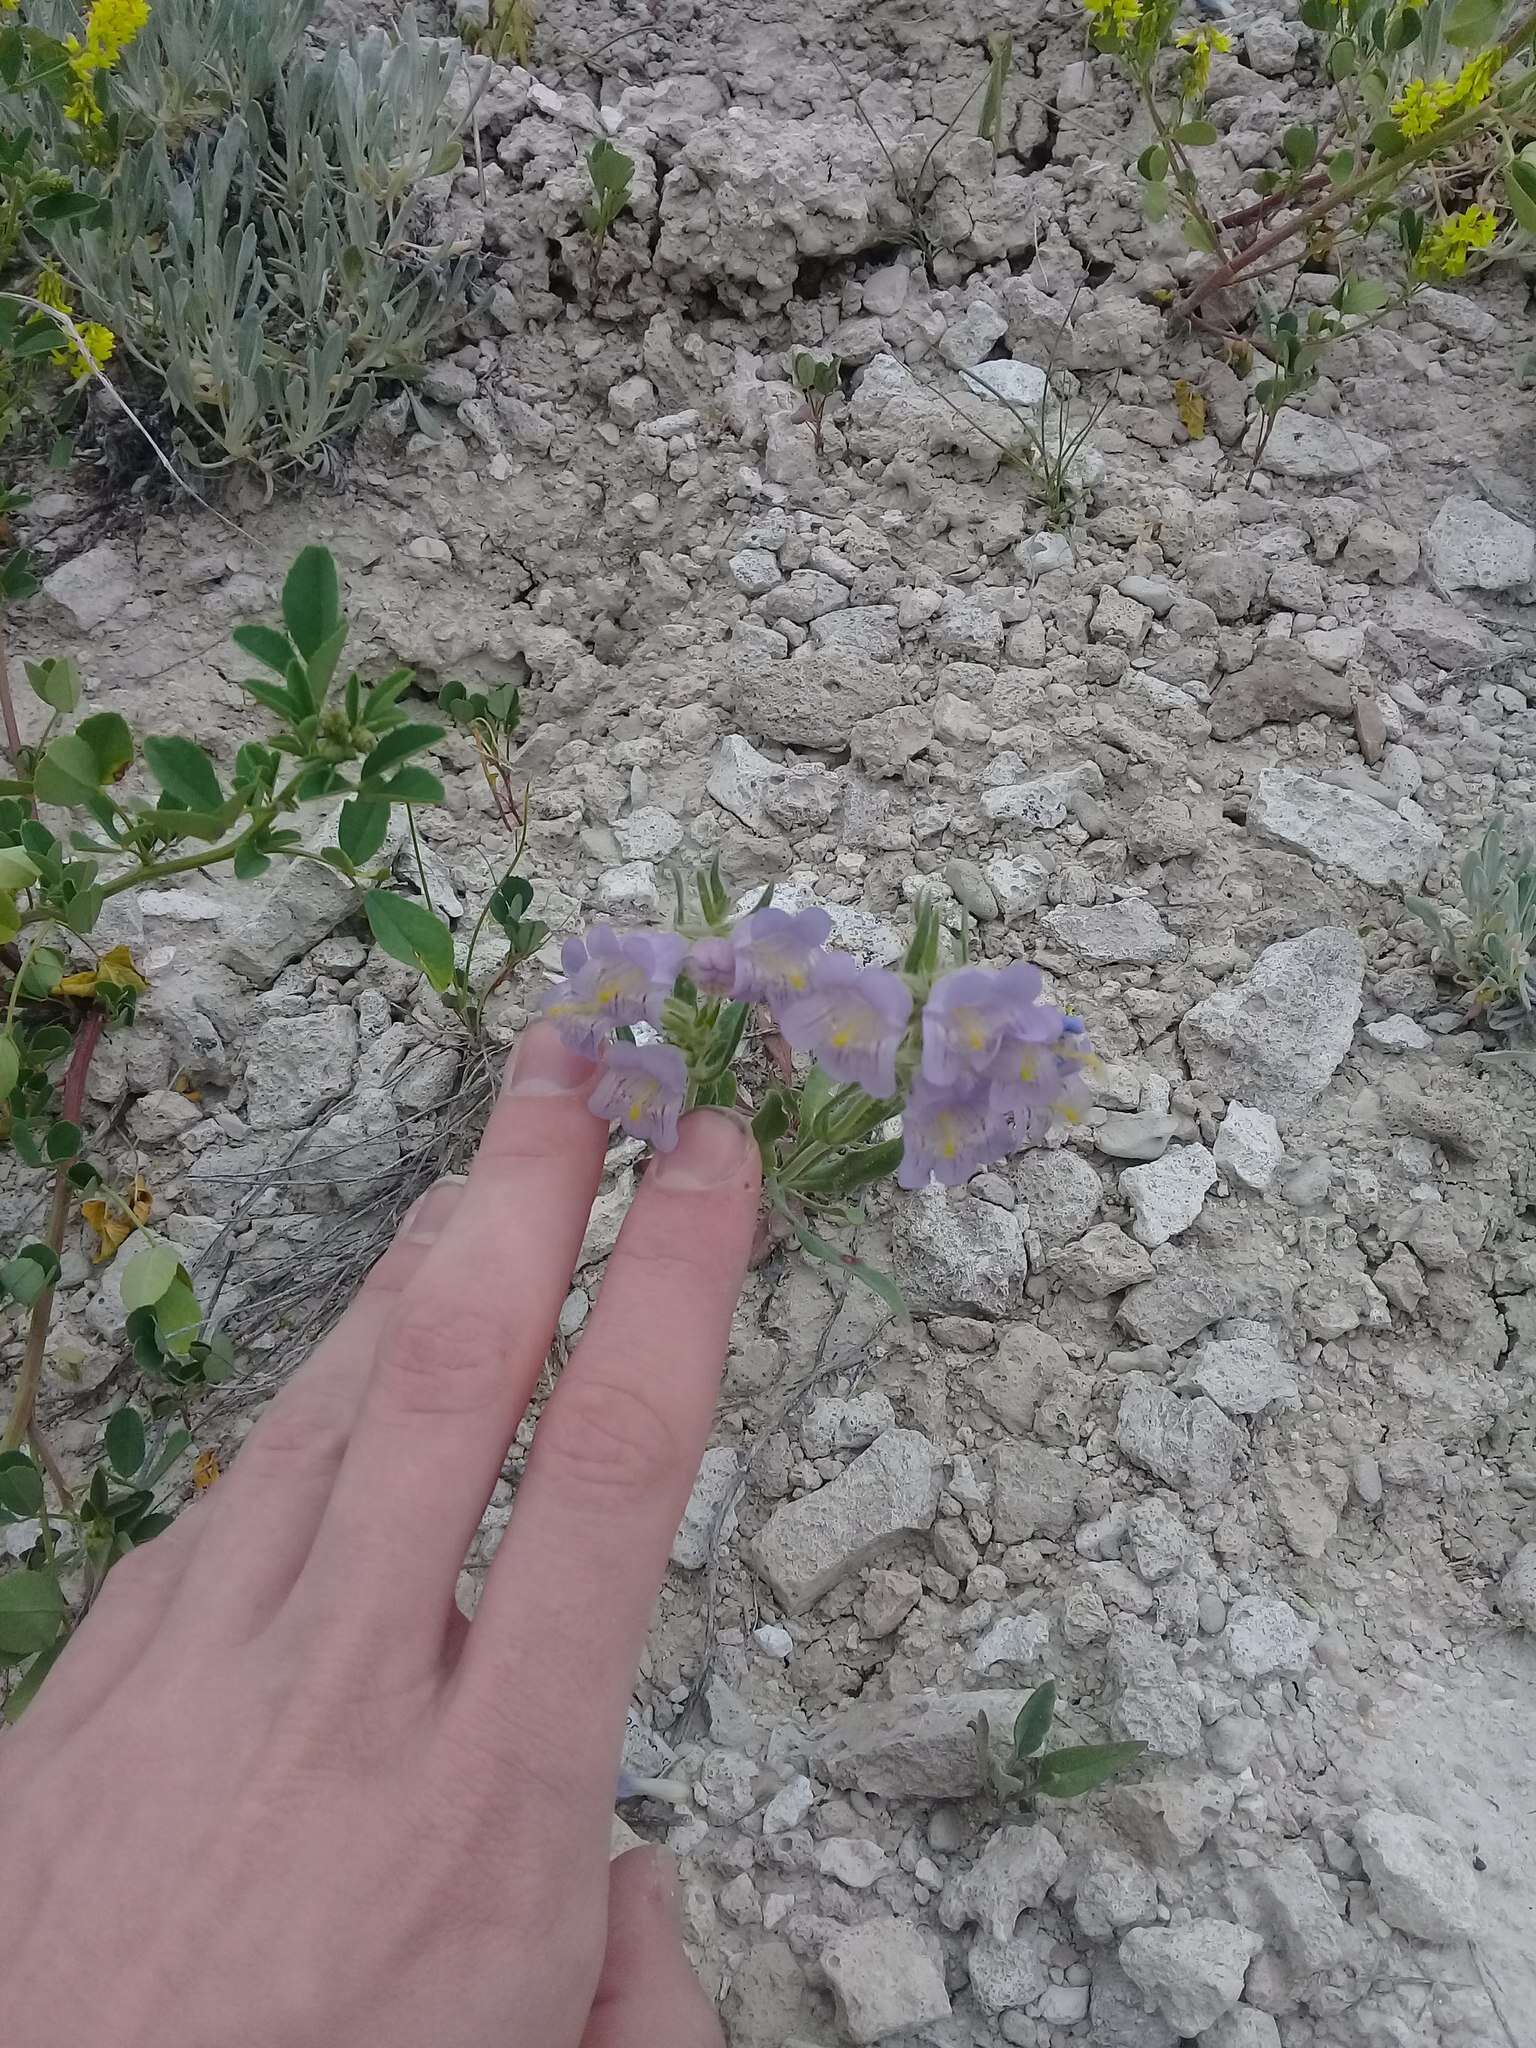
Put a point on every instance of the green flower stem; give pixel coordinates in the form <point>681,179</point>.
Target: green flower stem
<point>421,867</point>
<point>187,863</point>
<point>24,1400</point>
<point>17,979</point>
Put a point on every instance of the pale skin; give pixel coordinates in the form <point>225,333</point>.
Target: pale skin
<point>278,1793</point>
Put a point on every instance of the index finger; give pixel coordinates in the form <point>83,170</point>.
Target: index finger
<point>557,1635</point>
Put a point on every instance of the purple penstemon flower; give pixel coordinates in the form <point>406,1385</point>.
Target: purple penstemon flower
<point>612,978</point>
<point>974,1011</point>
<point>1028,1076</point>
<point>950,1133</point>
<point>712,966</point>
<point>777,954</point>
<point>641,1088</point>
<point>853,1019</point>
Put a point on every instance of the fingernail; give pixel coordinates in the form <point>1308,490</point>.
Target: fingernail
<point>428,1214</point>
<point>712,1148</point>
<point>545,1065</point>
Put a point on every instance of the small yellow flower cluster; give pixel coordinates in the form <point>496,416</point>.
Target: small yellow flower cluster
<point>1425,102</point>
<point>1201,44</point>
<point>110,27</point>
<point>1445,252</point>
<point>1112,20</point>
<point>96,342</point>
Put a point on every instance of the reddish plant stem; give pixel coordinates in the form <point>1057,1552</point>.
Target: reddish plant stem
<point>24,1400</point>
<point>7,702</point>
<point>1261,209</point>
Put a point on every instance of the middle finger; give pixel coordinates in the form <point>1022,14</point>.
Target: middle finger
<point>454,1372</point>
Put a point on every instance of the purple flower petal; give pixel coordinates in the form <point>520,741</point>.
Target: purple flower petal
<point>712,966</point>
<point>974,1011</point>
<point>950,1133</point>
<point>853,1019</point>
<point>776,953</point>
<point>612,978</point>
<point>641,1088</point>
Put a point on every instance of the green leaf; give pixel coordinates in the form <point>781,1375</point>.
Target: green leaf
<point>410,933</point>
<point>1520,191</point>
<point>1196,134</point>
<point>249,864</point>
<point>10,1066</point>
<point>270,695</point>
<point>1364,296</point>
<point>148,1275</point>
<point>272,649</point>
<point>1300,148</point>
<point>1155,202</point>
<point>1198,235</point>
<point>44,971</point>
<point>1152,164</point>
<point>396,746</point>
<point>18,579</point>
<point>1473,23</point>
<point>56,207</point>
<point>57,682</point>
<point>17,868</point>
<point>1034,1721</point>
<point>1068,1773</point>
<point>66,773</point>
<point>176,1443</point>
<point>21,1485</point>
<point>25,1690</point>
<point>177,1316</point>
<point>1387,139</point>
<point>185,772</point>
<point>31,1609</point>
<point>1405,30</point>
<point>311,600</point>
<point>409,786</point>
<point>1341,166</point>
<point>362,829</point>
<point>123,1440</point>
<point>772,1120</point>
<point>110,742</point>
<point>63,1141</point>
<point>1343,58</point>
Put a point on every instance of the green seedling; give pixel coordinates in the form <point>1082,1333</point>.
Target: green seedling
<point>610,172</point>
<point>1026,1770</point>
<point>508,32</point>
<point>1491,948</point>
<point>817,379</point>
<point>990,125</point>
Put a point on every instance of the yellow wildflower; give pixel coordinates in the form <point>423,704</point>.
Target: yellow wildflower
<point>1476,78</point>
<point>1445,252</point>
<point>1112,20</point>
<point>110,27</point>
<point>95,348</point>
<point>1422,106</point>
<point>49,290</point>
<point>1200,44</point>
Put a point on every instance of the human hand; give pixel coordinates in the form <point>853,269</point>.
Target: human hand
<point>278,1792</point>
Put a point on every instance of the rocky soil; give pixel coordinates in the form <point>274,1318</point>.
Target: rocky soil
<point>1221,1409</point>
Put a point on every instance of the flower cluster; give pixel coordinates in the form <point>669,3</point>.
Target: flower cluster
<point>974,1060</point>
<point>95,344</point>
<point>1446,250</point>
<point>1202,44</point>
<point>1110,21</point>
<point>1425,102</point>
<point>110,27</point>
